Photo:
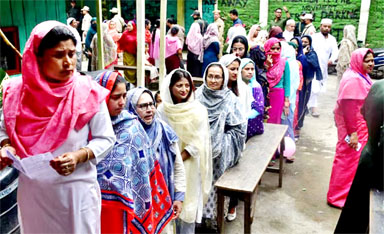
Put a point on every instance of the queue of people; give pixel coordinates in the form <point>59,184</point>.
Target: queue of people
<point>129,161</point>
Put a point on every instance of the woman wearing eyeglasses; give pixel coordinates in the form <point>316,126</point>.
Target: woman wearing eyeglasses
<point>228,127</point>
<point>141,103</point>
<point>278,76</point>
<point>134,194</point>
<point>189,119</point>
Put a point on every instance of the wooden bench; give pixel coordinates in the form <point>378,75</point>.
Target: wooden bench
<point>376,211</point>
<point>242,180</point>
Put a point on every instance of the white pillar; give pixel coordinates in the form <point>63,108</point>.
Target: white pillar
<point>200,7</point>
<point>118,5</point>
<point>363,22</point>
<point>163,19</point>
<point>263,13</point>
<point>100,42</point>
<point>140,55</point>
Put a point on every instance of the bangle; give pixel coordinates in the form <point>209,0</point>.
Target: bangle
<point>83,148</point>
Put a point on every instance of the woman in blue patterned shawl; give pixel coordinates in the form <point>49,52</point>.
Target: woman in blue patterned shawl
<point>228,127</point>
<point>135,198</point>
<point>141,103</point>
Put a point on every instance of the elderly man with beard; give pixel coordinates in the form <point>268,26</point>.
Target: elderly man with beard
<point>325,46</point>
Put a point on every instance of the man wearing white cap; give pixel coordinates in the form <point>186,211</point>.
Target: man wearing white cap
<point>325,46</point>
<point>289,30</point>
<point>86,23</point>
<point>309,29</point>
<point>117,19</point>
<point>72,23</point>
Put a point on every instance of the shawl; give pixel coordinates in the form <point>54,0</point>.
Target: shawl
<point>294,71</point>
<point>275,72</point>
<point>347,46</point>
<point>109,47</point>
<point>114,33</point>
<point>172,45</point>
<point>313,62</point>
<point>226,120</point>
<point>355,83</point>
<point>190,122</point>
<point>161,136</point>
<point>195,40</point>
<point>245,95</point>
<point>253,41</point>
<point>130,179</point>
<point>211,35</point>
<point>40,115</point>
<point>91,32</point>
<point>128,41</point>
<point>148,36</point>
<point>276,32</point>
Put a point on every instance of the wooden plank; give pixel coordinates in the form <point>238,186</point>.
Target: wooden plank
<point>256,157</point>
<point>51,9</point>
<point>17,9</point>
<point>41,8</point>
<point>376,210</point>
<point>100,44</point>
<point>6,13</point>
<point>124,67</point>
<point>61,11</point>
<point>163,16</point>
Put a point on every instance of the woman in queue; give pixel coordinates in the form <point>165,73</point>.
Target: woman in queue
<point>173,50</point>
<point>128,44</point>
<point>164,140</point>
<point>278,75</point>
<point>132,184</point>
<point>54,112</point>
<point>351,127</point>
<point>211,46</point>
<point>227,126</point>
<point>189,119</point>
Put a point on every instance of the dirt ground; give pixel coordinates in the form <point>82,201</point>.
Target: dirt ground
<point>300,206</point>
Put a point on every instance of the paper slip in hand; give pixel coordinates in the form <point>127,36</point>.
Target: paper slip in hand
<point>348,140</point>
<point>33,166</point>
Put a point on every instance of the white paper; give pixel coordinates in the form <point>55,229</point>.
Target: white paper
<point>348,140</point>
<point>33,166</point>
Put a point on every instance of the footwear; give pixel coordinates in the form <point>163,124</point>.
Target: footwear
<point>231,215</point>
<point>314,113</point>
<point>272,163</point>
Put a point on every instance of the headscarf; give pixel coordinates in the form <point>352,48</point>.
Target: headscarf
<point>128,41</point>
<point>195,40</point>
<point>114,33</point>
<point>276,32</point>
<point>245,45</point>
<point>234,31</point>
<point>253,40</point>
<point>245,95</point>
<point>223,110</point>
<point>347,46</point>
<point>39,114</point>
<point>190,122</point>
<point>211,35</point>
<point>172,45</point>
<point>161,135</point>
<point>275,72</point>
<point>356,82</point>
<point>109,47</point>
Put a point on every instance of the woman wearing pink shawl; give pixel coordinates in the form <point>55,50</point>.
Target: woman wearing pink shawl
<point>57,120</point>
<point>195,50</point>
<point>351,127</point>
<point>211,45</point>
<point>278,76</point>
<point>155,50</point>
<point>173,50</point>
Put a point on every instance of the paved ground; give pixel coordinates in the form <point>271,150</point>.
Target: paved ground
<point>300,205</point>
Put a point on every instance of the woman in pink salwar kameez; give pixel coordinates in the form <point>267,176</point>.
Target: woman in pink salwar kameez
<point>351,126</point>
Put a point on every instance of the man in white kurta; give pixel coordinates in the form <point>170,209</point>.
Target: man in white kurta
<point>86,23</point>
<point>325,46</point>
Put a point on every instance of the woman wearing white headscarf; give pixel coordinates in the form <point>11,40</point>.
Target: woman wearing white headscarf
<point>109,48</point>
<point>347,46</point>
<point>189,119</point>
<point>253,36</point>
<point>227,126</point>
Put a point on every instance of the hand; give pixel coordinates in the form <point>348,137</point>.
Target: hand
<point>185,155</point>
<point>4,160</point>
<point>306,50</point>
<point>65,164</point>
<point>330,62</point>
<point>286,110</point>
<point>269,61</point>
<point>354,139</point>
<point>177,207</point>
<point>285,8</point>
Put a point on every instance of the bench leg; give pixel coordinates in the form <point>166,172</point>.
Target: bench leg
<point>247,213</point>
<point>282,148</point>
<point>220,211</point>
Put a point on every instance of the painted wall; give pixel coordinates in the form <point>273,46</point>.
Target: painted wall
<point>25,14</point>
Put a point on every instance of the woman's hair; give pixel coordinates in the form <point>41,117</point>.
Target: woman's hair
<point>54,37</point>
<point>368,52</point>
<point>119,80</point>
<point>156,26</point>
<point>147,22</point>
<point>174,30</point>
<point>157,94</point>
<point>234,87</point>
<point>178,75</point>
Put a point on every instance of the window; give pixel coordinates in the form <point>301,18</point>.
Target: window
<point>9,60</point>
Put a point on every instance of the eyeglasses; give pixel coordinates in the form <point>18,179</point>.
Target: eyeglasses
<point>214,77</point>
<point>238,49</point>
<point>145,106</point>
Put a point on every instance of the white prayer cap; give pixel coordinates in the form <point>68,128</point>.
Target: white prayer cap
<point>326,21</point>
<point>70,20</point>
<point>114,10</point>
<point>308,16</point>
<point>85,8</point>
